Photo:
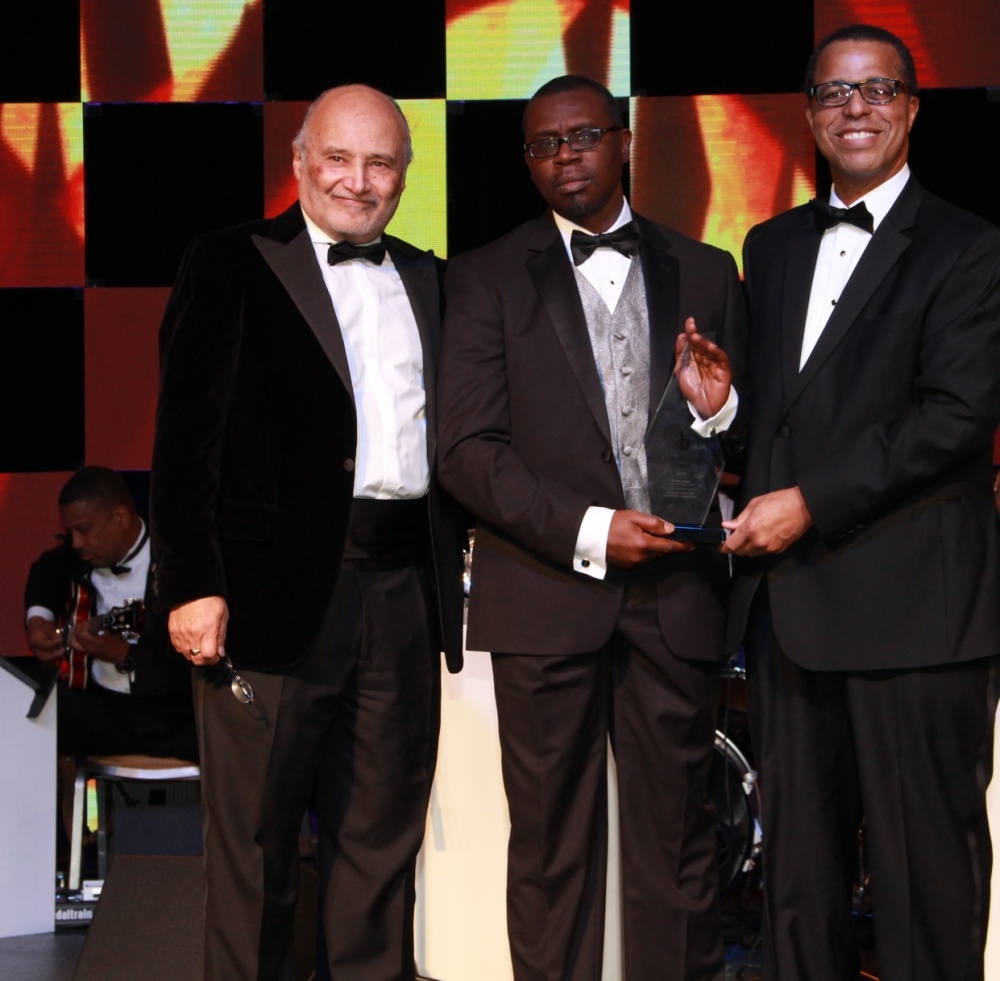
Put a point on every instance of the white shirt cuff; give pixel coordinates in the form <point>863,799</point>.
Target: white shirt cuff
<point>39,611</point>
<point>590,556</point>
<point>722,419</point>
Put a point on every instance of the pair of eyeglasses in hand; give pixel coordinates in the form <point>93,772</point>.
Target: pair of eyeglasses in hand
<point>240,686</point>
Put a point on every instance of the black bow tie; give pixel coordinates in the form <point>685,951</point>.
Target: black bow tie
<point>828,217</point>
<point>624,240</point>
<point>343,251</point>
<point>119,568</point>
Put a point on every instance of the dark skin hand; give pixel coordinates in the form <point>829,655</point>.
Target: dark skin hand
<point>98,644</point>
<point>634,538</point>
<point>43,639</point>
<point>47,644</point>
<point>702,371</point>
<point>768,524</point>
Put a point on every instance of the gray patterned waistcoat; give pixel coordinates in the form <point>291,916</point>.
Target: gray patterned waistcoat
<point>620,342</point>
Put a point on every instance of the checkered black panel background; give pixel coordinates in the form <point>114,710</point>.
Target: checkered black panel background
<point>128,128</point>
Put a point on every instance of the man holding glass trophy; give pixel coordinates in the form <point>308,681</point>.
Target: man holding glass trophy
<point>562,340</point>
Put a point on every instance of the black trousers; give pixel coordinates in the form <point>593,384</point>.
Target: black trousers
<point>911,751</point>
<point>555,717</point>
<point>358,722</point>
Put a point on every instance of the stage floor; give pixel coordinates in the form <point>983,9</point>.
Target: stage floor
<point>53,957</point>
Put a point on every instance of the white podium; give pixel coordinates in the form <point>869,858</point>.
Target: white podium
<point>28,814</point>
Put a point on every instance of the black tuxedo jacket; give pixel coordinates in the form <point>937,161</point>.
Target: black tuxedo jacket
<point>256,434</point>
<point>160,676</point>
<point>888,431</point>
<point>526,445</point>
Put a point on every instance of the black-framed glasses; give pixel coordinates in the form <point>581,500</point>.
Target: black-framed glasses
<point>875,91</point>
<point>582,139</point>
<point>240,686</point>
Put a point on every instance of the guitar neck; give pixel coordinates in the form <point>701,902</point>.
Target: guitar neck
<point>125,621</point>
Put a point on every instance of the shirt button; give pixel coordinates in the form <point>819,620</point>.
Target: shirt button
<point>585,563</point>
<point>626,410</point>
<point>627,450</point>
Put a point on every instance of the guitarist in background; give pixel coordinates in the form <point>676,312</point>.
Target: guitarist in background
<point>125,697</point>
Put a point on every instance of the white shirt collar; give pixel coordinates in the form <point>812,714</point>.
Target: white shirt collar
<point>567,227</point>
<point>881,199</point>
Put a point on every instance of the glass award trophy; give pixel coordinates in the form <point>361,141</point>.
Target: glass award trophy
<point>683,470</point>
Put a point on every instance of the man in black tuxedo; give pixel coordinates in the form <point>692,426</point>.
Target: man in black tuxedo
<point>598,622</point>
<point>303,537</point>
<point>869,568</point>
<point>134,695</point>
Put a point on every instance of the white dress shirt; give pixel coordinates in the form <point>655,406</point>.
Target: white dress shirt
<point>387,373</point>
<point>840,250</point>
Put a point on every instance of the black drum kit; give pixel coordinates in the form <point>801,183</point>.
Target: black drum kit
<point>732,785</point>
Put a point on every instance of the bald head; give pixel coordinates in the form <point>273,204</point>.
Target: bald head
<point>350,158</point>
<point>361,92</point>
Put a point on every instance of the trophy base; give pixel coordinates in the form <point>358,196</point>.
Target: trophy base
<point>698,534</point>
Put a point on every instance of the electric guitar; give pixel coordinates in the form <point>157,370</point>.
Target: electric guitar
<point>126,621</point>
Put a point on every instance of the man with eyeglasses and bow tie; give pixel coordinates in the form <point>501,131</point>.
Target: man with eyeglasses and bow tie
<point>868,561</point>
<point>304,542</point>
<point>559,341</point>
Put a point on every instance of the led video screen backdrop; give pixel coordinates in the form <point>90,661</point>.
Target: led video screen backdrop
<point>128,128</point>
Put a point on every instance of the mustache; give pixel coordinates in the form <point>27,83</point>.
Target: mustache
<point>568,177</point>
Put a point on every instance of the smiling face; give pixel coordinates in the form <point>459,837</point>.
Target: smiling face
<point>864,145</point>
<point>582,185</point>
<point>351,163</point>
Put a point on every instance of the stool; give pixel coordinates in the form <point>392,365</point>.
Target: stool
<point>109,768</point>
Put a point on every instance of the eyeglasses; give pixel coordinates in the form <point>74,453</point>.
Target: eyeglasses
<point>582,139</point>
<point>875,91</point>
<point>240,686</point>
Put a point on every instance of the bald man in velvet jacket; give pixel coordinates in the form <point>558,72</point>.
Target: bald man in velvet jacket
<point>304,543</point>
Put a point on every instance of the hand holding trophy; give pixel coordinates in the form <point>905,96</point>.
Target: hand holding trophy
<point>683,467</point>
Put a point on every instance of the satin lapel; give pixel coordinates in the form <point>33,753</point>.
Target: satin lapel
<point>883,252</point>
<point>419,275</point>
<point>800,264</point>
<point>552,273</point>
<point>661,278</point>
<point>295,266</point>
